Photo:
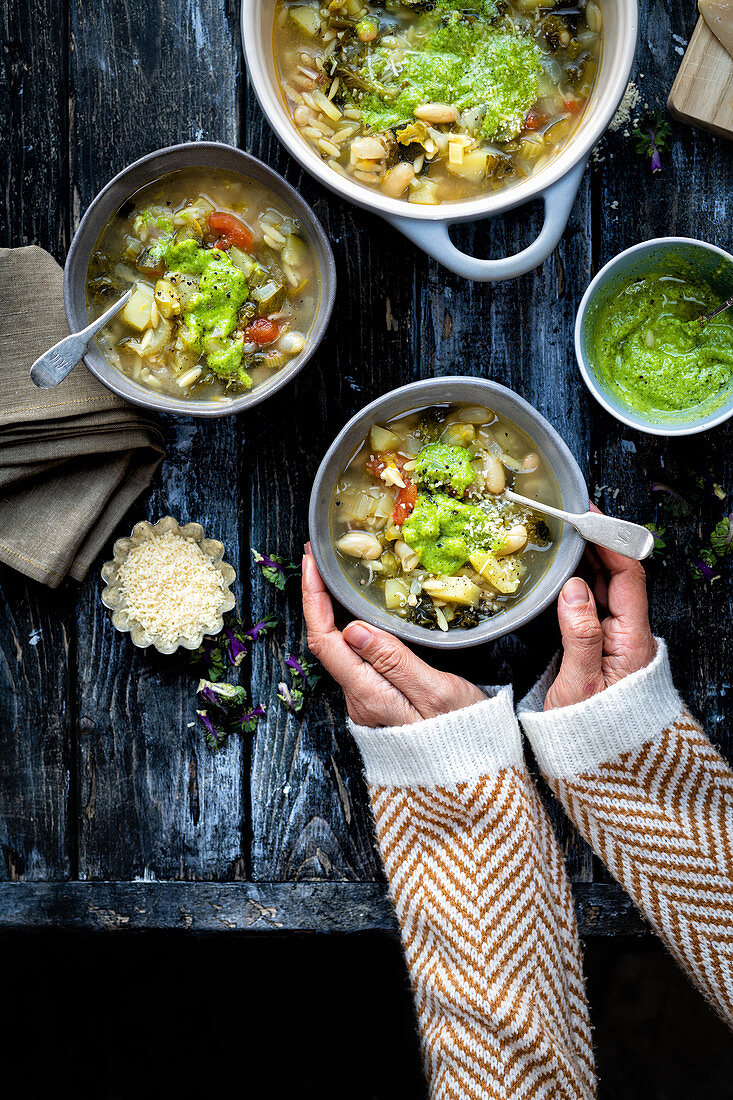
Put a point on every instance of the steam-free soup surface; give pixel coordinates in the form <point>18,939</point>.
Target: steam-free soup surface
<point>433,100</point>
<point>419,523</point>
<point>225,285</point>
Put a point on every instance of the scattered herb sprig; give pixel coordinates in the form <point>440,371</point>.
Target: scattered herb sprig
<point>216,655</point>
<point>652,136</point>
<point>710,556</point>
<point>691,500</point>
<point>225,708</point>
<point>275,569</point>
<point>303,679</point>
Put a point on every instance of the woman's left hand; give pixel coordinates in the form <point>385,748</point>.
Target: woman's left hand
<point>385,684</point>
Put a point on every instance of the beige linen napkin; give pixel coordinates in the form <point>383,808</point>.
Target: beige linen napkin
<point>72,459</point>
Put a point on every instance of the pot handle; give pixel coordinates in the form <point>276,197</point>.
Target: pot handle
<point>433,238</point>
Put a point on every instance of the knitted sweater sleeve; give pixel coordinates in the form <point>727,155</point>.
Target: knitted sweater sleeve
<point>654,799</point>
<point>484,907</point>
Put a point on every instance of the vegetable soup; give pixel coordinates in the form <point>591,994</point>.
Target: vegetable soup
<point>437,100</point>
<point>420,525</point>
<point>225,285</point>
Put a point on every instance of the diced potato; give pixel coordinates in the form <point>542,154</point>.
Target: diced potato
<point>185,286</point>
<point>382,439</point>
<point>306,20</point>
<point>472,167</point>
<point>396,592</point>
<point>459,590</point>
<point>167,298</point>
<point>505,575</point>
<point>137,311</point>
<point>424,192</point>
<point>241,260</point>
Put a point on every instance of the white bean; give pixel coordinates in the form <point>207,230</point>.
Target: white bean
<point>360,544</point>
<point>368,148</point>
<point>436,113</point>
<point>530,463</point>
<point>474,414</point>
<point>494,476</point>
<point>514,540</point>
<point>292,343</point>
<point>398,179</point>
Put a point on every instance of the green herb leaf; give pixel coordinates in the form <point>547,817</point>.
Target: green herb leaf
<point>275,569</point>
<point>304,675</point>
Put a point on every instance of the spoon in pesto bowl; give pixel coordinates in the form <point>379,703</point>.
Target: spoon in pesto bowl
<point>59,361</point>
<point>630,539</point>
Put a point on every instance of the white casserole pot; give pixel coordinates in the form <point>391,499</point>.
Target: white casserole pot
<point>556,184</point>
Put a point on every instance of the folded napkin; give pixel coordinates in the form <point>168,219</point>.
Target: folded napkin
<point>72,459</point>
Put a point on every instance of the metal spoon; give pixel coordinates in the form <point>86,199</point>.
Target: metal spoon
<point>630,539</point>
<point>54,365</point>
<point>697,326</point>
<point>703,320</point>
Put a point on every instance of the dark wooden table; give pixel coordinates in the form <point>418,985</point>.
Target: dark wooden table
<point>115,814</point>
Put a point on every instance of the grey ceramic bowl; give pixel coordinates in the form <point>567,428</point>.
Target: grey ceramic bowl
<point>436,391</point>
<point>710,263</point>
<point>206,154</point>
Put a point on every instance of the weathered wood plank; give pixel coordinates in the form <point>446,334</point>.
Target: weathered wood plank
<point>154,801</point>
<point>692,196</point>
<point>310,817</point>
<point>36,626</point>
<point>258,907</point>
<point>34,125</point>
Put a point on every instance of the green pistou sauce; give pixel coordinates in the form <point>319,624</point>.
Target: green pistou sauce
<point>651,353</point>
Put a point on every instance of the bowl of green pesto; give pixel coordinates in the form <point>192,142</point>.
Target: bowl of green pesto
<point>233,281</point>
<point>409,524</point>
<point>641,348</point>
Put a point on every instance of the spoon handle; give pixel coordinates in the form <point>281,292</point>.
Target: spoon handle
<point>629,539</point>
<point>54,365</point>
<point>709,316</point>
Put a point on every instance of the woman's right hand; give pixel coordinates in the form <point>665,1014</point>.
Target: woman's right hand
<point>385,684</point>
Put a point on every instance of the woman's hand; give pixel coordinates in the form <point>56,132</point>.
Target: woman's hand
<point>385,684</point>
<point>600,652</point>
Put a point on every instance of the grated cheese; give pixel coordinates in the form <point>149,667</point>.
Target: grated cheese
<point>170,587</point>
<point>630,100</point>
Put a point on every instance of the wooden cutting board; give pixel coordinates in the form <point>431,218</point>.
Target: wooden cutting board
<point>702,94</point>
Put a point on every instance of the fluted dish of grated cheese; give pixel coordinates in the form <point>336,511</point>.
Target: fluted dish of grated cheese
<point>170,587</point>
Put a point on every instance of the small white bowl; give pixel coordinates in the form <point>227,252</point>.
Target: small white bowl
<point>712,264</point>
<point>113,598</point>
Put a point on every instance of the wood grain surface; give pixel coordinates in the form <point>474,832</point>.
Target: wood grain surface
<point>104,774</point>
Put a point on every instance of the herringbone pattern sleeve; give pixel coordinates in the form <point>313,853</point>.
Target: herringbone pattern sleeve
<point>652,796</point>
<point>484,907</point>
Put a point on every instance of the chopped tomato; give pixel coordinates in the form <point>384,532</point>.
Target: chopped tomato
<point>380,461</point>
<point>231,230</point>
<point>535,119</point>
<point>571,104</point>
<point>262,331</point>
<point>404,504</point>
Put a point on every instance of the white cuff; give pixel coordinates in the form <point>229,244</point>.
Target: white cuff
<point>576,739</point>
<point>460,747</point>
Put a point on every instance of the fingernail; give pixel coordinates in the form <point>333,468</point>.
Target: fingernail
<point>357,635</point>
<point>307,548</point>
<point>575,591</point>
